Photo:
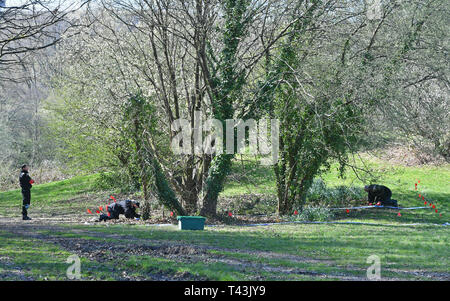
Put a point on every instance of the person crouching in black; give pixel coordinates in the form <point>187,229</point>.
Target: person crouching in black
<point>26,183</point>
<point>127,208</point>
<point>380,195</point>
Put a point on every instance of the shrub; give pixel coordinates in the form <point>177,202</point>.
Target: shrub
<point>321,195</point>
<point>315,214</point>
<point>116,180</point>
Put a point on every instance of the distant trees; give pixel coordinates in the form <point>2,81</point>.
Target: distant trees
<point>27,33</point>
<point>30,27</point>
<point>417,102</point>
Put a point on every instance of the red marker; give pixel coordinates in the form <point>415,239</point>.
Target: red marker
<point>98,212</point>
<point>295,212</point>
<point>31,181</point>
<point>423,198</point>
<point>370,204</point>
<point>420,195</point>
<point>399,214</point>
<point>348,211</point>
<point>425,202</point>
<point>109,214</point>
<point>89,211</point>
<point>434,207</point>
<point>418,181</point>
<point>230,214</point>
<point>113,198</point>
<point>378,204</point>
<point>436,211</point>
<point>100,208</point>
<point>171,213</point>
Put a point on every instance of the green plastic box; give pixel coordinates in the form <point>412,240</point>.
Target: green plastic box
<point>191,222</point>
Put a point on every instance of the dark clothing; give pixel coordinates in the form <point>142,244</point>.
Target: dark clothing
<point>25,183</point>
<point>123,207</point>
<point>24,180</point>
<point>381,194</point>
<point>26,199</point>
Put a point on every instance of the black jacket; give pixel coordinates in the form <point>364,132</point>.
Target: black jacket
<point>123,207</point>
<point>24,180</point>
<point>379,193</point>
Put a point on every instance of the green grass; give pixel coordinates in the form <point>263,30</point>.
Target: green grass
<point>321,249</point>
<point>343,243</point>
<point>326,249</point>
<point>30,259</point>
<point>67,195</point>
<point>435,186</point>
<point>53,192</point>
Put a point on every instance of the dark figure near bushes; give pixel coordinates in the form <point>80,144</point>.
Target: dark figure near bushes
<point>25,183</point>
<point>127,208</point>
<point>380,194</point>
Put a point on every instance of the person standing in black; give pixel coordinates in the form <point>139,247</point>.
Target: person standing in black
<point>25,183</point>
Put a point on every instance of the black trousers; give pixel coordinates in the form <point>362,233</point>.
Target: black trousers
<point>384,198</point>
<point>26,196</point>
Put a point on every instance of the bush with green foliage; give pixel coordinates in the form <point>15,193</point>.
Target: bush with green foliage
<point>314,214</point>
<point>117,180</point>
<point>321,195</point>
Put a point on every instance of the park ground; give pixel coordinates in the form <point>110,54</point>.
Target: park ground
<point>413,246</point>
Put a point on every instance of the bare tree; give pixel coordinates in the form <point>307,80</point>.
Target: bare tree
<point>32,26</point>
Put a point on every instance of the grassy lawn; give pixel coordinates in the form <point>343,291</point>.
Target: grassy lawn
<point>31,259</point>
<point>68,196</point>
<point>279,252</point>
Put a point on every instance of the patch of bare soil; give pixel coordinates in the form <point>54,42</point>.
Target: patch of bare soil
<point>11,271</point>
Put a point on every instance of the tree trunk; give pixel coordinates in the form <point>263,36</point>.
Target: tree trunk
<point>220,167</point>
